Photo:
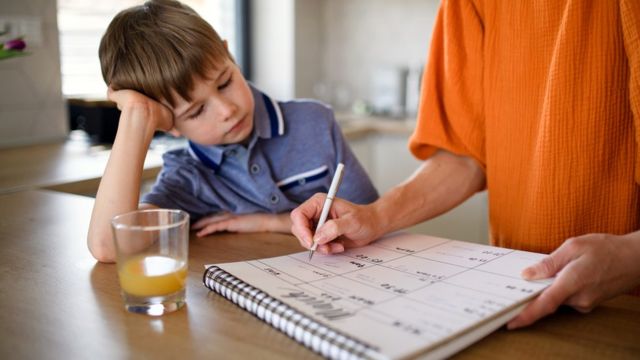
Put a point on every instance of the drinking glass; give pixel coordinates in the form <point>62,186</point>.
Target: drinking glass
<point>152,251</point>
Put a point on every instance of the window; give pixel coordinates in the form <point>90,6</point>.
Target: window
<point>82,23</point>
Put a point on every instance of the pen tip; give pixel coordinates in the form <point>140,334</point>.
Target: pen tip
<point>310,255</point>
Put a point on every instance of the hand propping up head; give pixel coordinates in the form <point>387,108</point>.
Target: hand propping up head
<point>142,107</point>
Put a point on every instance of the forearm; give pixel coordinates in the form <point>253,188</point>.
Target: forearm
<point>119,189</point>
<point>441,183</point>
<point>280,223</point>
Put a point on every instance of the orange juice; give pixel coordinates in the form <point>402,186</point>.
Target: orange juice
<point>155,275</point>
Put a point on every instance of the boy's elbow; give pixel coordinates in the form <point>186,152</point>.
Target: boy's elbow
<point>104,257</point>
<point>100,251</point>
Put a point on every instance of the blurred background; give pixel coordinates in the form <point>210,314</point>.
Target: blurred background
<point>357,55</point>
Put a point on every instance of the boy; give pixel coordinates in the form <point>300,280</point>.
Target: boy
<point>249,160</point>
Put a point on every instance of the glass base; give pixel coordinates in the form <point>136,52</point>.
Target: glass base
<point>154,305</point>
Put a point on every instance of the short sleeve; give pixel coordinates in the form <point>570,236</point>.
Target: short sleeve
<point>451,114</point>
<point>177,187</point>
<point>630,17</point>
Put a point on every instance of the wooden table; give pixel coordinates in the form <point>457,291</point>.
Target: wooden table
<point>57,302</point>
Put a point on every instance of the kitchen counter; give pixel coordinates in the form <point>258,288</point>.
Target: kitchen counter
<point>73,166</point>
<point>355,127</point>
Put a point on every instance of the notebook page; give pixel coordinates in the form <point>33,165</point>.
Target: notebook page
<point>402,295</point>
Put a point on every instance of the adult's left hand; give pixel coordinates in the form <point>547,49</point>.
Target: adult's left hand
<point>589,269</point>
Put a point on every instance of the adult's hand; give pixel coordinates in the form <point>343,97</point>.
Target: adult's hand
<point>439,184</point>
<point>350,225</point>
<point>589,269</point>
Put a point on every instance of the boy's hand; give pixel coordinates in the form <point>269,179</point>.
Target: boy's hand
<point>242,223</point>
<point>139,105</point>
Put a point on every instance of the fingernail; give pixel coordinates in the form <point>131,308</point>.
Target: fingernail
<point>318,238</point>
<point>325,249</point>
<point>337,248</point>
<point>514,323</point>
<point>528,273</point>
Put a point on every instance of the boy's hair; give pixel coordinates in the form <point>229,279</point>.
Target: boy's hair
<point>157,48</point>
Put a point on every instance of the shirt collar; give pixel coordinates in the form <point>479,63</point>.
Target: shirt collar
<point>268,120</point>
<point>267,123</point>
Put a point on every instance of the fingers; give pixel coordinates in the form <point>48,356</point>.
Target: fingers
<point>109,92</point>
<point>115,96</point>
<point>215,227</point>
<point>302,219</point>
<point>327,237</point>
<point>210,220</point>
<point>566,284</point>
<point>336,247</point>
<point>301,229</point>
<point>552,264</point>
<point>341,223</point>
<point>167,122</point>
<point>212,224</point>
<point>545,304</point>
<point>333,247</point>
<point>331,230</point>
<point>546,268</point>
<point>124,97</point>
<point>160,114</point>
<point>556,294</point>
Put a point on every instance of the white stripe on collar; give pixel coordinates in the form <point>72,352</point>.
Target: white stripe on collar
<point>190,150</point>
<point>278,115</point>
<point>303,175</point>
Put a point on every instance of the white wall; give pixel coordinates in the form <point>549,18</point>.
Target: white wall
<point>309,46</point>
<point>330,49</point>
<point>287,46</point>
<point>272,34</point>
<point>32,108</point>
<point>363,36</point>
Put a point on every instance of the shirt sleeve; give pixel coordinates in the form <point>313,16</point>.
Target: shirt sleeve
<point>630,17</point>
<point>356,185</point>
<point>177,187</point>
<point>450,114</point>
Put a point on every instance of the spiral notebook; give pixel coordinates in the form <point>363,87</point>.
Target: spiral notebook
<point>402,296</point>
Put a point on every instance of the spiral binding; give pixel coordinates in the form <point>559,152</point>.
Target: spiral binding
<point>305,330</point>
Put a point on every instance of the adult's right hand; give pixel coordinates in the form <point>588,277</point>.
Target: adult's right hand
<point>140,106</point>
<point>350,225</point>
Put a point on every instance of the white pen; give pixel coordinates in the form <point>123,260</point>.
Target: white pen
<point>333,189</point>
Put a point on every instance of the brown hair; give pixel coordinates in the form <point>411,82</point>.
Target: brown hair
<point>158,48</point>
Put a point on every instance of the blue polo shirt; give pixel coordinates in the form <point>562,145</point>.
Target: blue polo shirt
<point>292,154</point>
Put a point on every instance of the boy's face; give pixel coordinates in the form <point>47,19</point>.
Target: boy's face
<point>220,110</point>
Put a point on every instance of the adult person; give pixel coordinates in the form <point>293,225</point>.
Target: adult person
<point>538,102</point>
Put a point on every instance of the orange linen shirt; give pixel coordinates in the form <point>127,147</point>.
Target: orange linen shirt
<point>545,96</point>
